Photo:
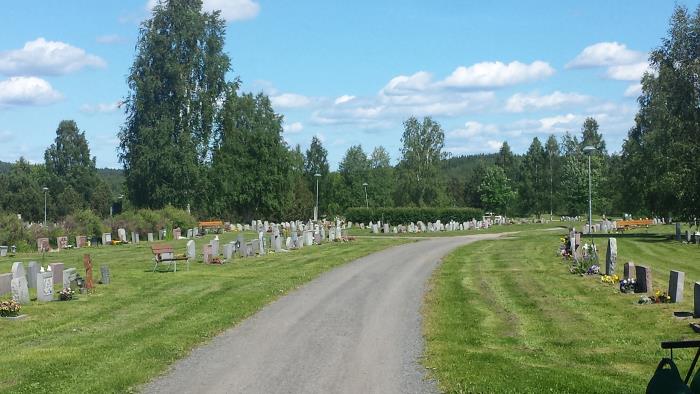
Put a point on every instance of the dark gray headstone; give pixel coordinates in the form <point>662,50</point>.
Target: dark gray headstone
<point>105,276</point>
<point>20,290</point>
<point>678,231</point>
<point>629,270</point>
<point>32,269</point>
<point>57,270</point>
<point>644,283</point>
<point>675,286</point>
<point>611,256</point>
<point>5,284</point>
<point>696,300</point>
<point>44,283</point>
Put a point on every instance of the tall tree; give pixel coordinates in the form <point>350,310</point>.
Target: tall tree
<point>21,192</point>
<point>532,186</point>
<point>354,171</point>
<point>175,83</point>
<point>420,181</point>
<point>506,160</point>
<point>316,162</point>
<point>497,194</point>
<point>553,155</point>
<point>250,163</point>
<point>381,182</point>
<point>591,136</point>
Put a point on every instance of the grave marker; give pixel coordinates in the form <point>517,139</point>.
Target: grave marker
<point>696,300</point>
<point>629,270</point>
<point>20,291</point>
<point>675,286</point>
<point>80,241</point>
<point>611,256</point>
<point>106,238</point>
<point>18,270</point>
<point>644,282</point>
<point>32,270</point>
<point>57,269</point>
<point>121,234</point>
<point>42,244</point>
<point>5,283</point>
<point>87,263</point>
<point>44,291</point>
<point>105,275</point>
<point>678,231</point>
<point>191,250</point>
<point>69,276</point>
<point>149,237</point>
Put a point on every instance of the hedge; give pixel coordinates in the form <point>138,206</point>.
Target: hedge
<point>404,215</point>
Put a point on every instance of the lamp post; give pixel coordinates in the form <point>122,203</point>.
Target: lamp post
<point>366,200</point>
<point>588,150</point>
<point>316,175</point>
<point>46,189</point>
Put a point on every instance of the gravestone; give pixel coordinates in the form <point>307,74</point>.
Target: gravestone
<point>20,291</point>
<point>61,242</point>
<point>138,238</point>
<point>3,251</point>
<point>69,276</point>
<point>177,232</point>
<point>644,283</point>
<point>678,231</point>
<point>308,238</point>
<point>675,286</point>
<point>207,253</point>
<point>317,238</point>
<point>18,271</point>
<point>32,269</point>
<point>133,237</point>
<point>5,284</point>
<point>44,284</point>
<point>255,247</point>
<point>80,241</point>
<point>629,270</point>
<point>611,256</point>
<point>261,243</point>
<point>106,238</point>
<point>87,263</point>
<point>288,243</point>
<point>121,234</point>
<point>696,300</point>
<point>149,237</point>
<point>57,269</point>
<point>191,250</point>
<point>294,239</point>
<point>42,244</point>
<point>386,228</point>
<point>190,233</point>
<point>688,236</point>
<point>228,251</point>
<point>215,246</point>
<point>105,275</point>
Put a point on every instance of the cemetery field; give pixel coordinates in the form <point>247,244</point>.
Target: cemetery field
<point>507,316</point>
<point>129,331</point>
<point>357,231</point>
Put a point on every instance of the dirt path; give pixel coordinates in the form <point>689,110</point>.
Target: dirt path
<point>355,329</point>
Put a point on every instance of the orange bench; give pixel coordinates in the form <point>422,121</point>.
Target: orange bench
<point>623,225</point>
<point>217,225</point>
<point>164,254</point>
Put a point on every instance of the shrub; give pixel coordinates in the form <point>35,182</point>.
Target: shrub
<point>84,222</point>
<point>403,215</point>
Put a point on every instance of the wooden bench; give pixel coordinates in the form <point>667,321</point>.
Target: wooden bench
<point>164,254</point>
<point>623,225</point>
<point>217,225</point>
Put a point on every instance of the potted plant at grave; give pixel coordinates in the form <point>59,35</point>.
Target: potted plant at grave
<point>66,294</point>
<point>628,285</point>
<point>9,308</point>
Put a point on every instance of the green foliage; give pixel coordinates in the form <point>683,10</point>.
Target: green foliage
<point>176,81</point>
<point>145,221</point>
<point>13,232</point>
<point>420,182</point>
<point>21,192</point>
<point>316,162</point>
<point>84,222</point>
<point>496,191</point>
<point>405,215</point>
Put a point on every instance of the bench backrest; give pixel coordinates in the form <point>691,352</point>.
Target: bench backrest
<point>160,249</point>
<point>213,223</point>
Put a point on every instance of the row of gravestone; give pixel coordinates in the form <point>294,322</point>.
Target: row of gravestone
<point>18,282</point>
<point>421,227</point>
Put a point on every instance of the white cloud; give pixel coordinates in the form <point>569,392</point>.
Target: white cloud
<point>290,100</point>
<point>628,72</point>
<point>18,91</point>
<point>633,90</point>
<point>520,102</point>
<point>604,54</point>
<point>558,123</point>
<point>101,107</point>
<point>293,128</point>
<point>41,57</point>
<point>343,99</point>
<point>489,75</point>
<point>109,39</point>
<point>410,84</point>
<point>472,129</point>
<point>231,10</point>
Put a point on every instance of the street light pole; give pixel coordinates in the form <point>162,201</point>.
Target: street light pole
<point>46,189</point>
<point>316,175</point>
<point>366,200</point>
<point>589,151</point>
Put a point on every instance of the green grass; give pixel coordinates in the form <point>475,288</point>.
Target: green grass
<point>356,231</point>
<point>506,316</point>
<point>131,330</point>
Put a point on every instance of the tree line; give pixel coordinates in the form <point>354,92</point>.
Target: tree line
<point>193,139</point>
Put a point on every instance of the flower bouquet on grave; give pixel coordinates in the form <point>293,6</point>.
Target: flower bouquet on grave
<point>660,297</point>
<point>612,279</point>
<point>9,308</point>
<point>66,294</point>
<point>593,270</point>
<point>628,285</point>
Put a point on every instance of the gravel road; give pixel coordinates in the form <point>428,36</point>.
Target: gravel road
<point>355,329</point>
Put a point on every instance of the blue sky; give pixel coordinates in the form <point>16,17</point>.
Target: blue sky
<point>349,72</point>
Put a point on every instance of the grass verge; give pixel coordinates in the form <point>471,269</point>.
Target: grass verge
<point>506,316</point>
<point>131,330</point>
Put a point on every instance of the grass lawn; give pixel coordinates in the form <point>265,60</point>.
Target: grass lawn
<point>506,316</point>
<point>131,330</point>
<point>356,231</point>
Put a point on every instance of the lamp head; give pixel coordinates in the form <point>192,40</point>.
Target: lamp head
<point>589,149</point>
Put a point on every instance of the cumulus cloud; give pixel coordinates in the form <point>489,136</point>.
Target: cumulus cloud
<point>605,54</point>
<point>109,39</point>
<point>101,107</point>
<point>628,72</point>
<point>290,100</point>
<point>20,91</point>
<point>231,10</point>
<point>520,102</point>
<point>293,128</point>
<point>472,129</point>
<point>489,75</point>
<point>42,57</point>
<point>633,90</point>
<point>343,99</point>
